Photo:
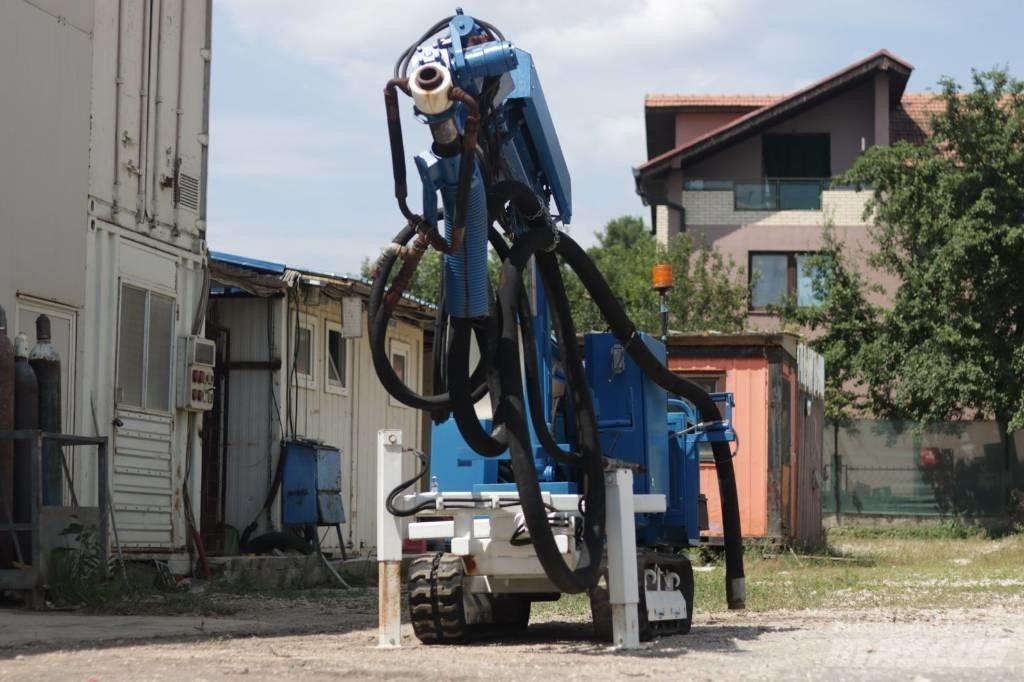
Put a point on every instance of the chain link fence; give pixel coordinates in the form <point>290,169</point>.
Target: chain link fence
<point>893,468</point>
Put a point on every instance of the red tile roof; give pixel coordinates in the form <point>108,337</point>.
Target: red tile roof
<point>879,59</point>
<point>745,101</point>
<point>911,119</point>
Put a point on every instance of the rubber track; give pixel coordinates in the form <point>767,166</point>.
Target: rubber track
<point>435,598</point>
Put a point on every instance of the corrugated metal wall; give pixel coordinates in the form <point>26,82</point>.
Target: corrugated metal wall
<point>253,430</point>
<point>348,421</point>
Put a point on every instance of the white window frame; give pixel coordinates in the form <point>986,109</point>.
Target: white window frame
<point>403,348</point>
<point>331,386</point>
<point>307,381</point>
<point>150,288</point>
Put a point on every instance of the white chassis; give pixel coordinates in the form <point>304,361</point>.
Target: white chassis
<point>481,528</point>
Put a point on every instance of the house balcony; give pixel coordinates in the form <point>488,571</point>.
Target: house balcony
<point>770,201</point>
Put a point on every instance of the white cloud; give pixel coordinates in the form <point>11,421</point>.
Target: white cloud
<point>259,147</point>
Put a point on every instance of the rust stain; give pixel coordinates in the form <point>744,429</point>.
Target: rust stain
<point>390,593</point>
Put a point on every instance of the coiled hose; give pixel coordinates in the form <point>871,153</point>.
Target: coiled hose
<point>510,428</point>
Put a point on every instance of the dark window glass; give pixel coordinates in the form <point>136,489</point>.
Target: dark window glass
<point>336,358</point>
<point>304,351</point>
<point>398,362</point>
<point>769,273</point>
<point>158,363</point>
<point>131,346</point>
<point>797,155</point>
<point>805,295</point>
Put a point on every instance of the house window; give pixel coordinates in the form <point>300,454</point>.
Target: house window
<point>145,340</point>
<point>400,363</point>
<point>336,361</point>
<point>304,349</point>
<point>777,276</point>
<point>799,155</point>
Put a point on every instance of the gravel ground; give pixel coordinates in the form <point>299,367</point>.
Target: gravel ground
<point>311,642</point>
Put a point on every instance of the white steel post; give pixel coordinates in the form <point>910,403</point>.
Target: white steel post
<point>389,540</point>
<point>623,591</point>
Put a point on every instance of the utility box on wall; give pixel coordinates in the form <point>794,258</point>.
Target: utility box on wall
<point>311,485</point>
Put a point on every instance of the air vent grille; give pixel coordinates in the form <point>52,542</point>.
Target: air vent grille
<point>186,191</point>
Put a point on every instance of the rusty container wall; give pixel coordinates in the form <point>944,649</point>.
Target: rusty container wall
<point>6,446</point>
<point>810,419</point>
<point>747,379</point>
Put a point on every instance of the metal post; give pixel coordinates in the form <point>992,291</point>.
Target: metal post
<point>101,474</point>
<point>389,540</point>
<point>664,315</point>
<point>623,590</point>
<point>36,468</point>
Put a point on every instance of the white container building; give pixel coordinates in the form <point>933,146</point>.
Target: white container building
<point>103,150</point>
<point>294,363</point>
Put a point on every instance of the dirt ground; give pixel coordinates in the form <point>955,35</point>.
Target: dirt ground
<point>310,641</point>
<point>868,608</point>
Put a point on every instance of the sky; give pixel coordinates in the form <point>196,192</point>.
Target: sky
<point>300,169</point>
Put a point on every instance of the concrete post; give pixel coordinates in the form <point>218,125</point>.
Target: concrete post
<point>389,540</point>
<point>623,590</point>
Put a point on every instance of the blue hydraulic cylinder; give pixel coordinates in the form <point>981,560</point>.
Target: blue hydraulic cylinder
<point>466,285</point>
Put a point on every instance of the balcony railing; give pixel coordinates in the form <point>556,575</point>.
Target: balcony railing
<point>768,194</point>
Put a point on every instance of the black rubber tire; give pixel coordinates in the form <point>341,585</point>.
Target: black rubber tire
<point>436,607</point>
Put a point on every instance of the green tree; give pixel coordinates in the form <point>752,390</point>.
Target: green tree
<point>709,293</point>
<point>949,224</point>
<point>844,323</point>
<point>426,284</point>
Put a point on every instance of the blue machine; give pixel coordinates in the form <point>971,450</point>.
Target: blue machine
<point>562,419</point>
<point>311,485</point>
<point>638,423</point>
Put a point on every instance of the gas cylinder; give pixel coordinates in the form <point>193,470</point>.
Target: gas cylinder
<point>45,362</point>
<point>26,416</point>
<point>6,446</point>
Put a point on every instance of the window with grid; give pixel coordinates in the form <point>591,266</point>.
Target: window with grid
<point>145,341</point>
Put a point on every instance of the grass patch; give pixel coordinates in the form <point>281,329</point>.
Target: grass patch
<point>953,529</point>
<point>857,570</point>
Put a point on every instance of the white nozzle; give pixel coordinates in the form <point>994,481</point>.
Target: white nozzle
<point>430,85</point>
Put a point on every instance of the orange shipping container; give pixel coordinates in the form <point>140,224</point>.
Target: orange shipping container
<point>778,385</point>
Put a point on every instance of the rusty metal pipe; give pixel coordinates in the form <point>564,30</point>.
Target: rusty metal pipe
<point>410,261</point>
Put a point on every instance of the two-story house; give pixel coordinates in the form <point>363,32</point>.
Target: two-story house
<point>752,173</point>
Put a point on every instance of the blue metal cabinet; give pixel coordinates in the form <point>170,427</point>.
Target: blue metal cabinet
<point>311,485</point>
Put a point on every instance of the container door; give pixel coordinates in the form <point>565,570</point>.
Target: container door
<point>143,489</point>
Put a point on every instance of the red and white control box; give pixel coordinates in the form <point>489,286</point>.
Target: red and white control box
<point>197,382</point>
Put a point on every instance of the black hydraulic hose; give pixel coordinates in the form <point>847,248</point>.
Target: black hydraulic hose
<point>534,511</point>
<point>379,316</point>
<point>624,330</point>
<point>537,416</point>
<point>463,406</point>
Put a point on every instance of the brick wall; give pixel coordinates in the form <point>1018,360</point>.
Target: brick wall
<point>712,207</point>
